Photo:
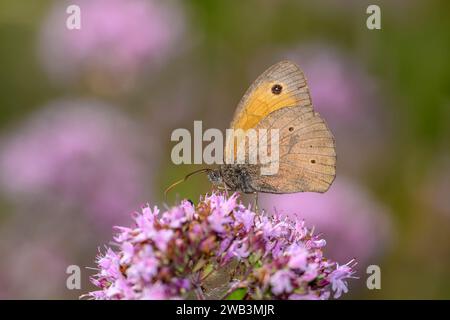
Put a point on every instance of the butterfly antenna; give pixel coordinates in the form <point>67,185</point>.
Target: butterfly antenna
<point>193,173</point>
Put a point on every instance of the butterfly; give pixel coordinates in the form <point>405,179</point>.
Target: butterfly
<point>280,99</point>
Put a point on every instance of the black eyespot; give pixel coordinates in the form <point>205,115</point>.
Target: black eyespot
<point>291,129</point>
<point>276,89</point>
<point>313,161</point>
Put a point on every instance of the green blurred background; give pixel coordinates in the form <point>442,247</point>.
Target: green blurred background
<point>394,138</point>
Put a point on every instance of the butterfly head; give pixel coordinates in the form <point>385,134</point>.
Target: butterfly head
<point>215,177</point>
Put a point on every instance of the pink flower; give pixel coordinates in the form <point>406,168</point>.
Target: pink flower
<point>240,249</point>
<point>109,263</point>
<point>247,219</point>
<point>281,282</point>
<point>338,279</point>
<point>298,257</point>
<point>175,217</point>
<point>311,272</point>
<point>155,292</point>
<point>144,269</point>
<point>128,252</point>
<point>176,258</point>
<point>117,38</point>
<point>79,155</point>
<point>162,238</point>
<point>218,220</point>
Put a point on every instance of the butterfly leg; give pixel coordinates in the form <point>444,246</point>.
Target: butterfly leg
<point>226,189</point>
<point>222,188</point>
<point>256,202</point>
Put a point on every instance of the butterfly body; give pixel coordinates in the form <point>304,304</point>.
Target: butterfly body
<point>237,177</point>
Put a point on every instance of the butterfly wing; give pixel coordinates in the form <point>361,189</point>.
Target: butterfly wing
<point>265,96</point>
<point>307,155</point>
<point>280,99</point>
<point>282,85</point>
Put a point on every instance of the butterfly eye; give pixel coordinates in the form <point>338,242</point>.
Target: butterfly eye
<point>276,89</point>
<point>291,129</point>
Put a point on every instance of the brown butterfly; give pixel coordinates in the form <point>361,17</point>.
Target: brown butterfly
<point>280,99</point>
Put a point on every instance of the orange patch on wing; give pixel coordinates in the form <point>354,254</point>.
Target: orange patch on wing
<point>260,104</point>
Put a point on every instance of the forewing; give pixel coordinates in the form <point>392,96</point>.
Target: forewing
<point>260,99</point>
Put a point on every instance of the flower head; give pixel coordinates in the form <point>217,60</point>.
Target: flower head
<point>213,249</point>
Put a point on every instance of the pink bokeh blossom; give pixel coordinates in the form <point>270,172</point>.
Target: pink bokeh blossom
<point>346,215</point>
<point>79,153</point>
<point>117,37</point>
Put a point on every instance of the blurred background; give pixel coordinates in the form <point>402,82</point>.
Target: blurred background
<point>86,117</point>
